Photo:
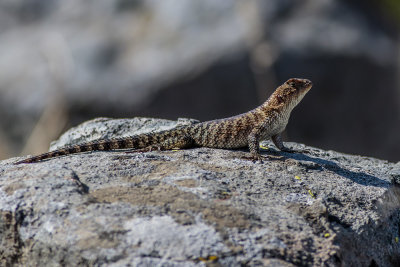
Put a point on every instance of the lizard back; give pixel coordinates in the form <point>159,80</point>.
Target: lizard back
<point>247,129</point>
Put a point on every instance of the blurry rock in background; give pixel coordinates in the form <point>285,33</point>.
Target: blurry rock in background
<point>63,62</point>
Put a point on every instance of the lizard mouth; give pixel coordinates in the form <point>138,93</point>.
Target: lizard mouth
<point>307,84</point>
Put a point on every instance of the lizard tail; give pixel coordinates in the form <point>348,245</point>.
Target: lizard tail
<point>133,142</point>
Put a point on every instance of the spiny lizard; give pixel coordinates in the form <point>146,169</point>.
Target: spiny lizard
<point>244,130</point>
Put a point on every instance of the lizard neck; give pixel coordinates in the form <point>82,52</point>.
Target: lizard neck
<point>284,108</point>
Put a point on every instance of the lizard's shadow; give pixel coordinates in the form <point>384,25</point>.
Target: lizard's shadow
<point>357,177</point>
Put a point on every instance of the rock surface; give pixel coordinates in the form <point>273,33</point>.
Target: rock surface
<point>197,207</point>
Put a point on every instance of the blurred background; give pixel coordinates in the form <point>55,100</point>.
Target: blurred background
<point>64,62</point>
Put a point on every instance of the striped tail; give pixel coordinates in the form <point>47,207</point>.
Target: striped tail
<point>133,142</point>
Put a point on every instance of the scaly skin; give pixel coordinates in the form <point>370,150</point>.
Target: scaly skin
<point>244,130</point>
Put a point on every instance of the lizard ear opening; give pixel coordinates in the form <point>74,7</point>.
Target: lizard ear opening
<point>279,98</point>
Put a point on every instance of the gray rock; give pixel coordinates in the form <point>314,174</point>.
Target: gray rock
<point>197,207</point>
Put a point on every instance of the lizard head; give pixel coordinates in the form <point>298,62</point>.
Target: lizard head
<point>290,93</point>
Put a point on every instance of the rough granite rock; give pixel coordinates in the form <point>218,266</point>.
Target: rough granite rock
<point>197,207</point>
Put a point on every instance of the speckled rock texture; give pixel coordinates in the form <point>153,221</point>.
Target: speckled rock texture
<point>197,207</point>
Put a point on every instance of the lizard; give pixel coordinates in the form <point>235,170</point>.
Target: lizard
<point>268,120</point>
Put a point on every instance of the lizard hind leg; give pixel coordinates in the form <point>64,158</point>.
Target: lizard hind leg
<point>168,144</point>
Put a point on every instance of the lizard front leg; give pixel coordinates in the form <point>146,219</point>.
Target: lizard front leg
<point>253,138</point>
<point>279,144</point>
<point>254,143</point>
